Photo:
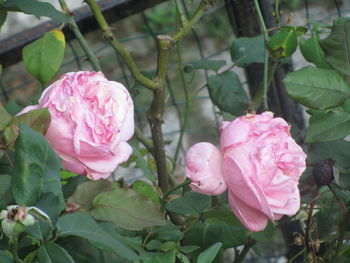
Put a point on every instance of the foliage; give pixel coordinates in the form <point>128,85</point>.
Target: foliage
<point>60,216</point>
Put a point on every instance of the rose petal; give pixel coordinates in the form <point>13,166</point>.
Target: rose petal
<point>107,164</point>
<point>251,218</point>
<point>244,186</point>
<point>204,168</point>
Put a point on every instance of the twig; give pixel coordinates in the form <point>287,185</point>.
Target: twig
<point>343,227</point>
<point>250,242</point>
<point>307,238</point>
<point>14,248</point>
<point>181,13</point>
<point>91,56</point>
<point>146,142</point>
<point>187,27</point>
<point>156,112</point>
<point>266,60</point>
<point>187,106</point>
<point>124,53</point>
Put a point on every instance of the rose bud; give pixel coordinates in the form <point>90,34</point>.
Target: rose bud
<point>91,121</point>
<point>261,165</point>
<point>323,172</point>
<point>14,220</point>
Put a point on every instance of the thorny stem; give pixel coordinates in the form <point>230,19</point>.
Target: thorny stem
<point>187,107</point>
<point>308,238</point>
<point>187,27</point>
<point>113,41</point>
<point>240,257</point>
<point>157,85</point>
<point>181,13</point>
<point>156,112</point>
<point>266,60</point>
<point>14,248</point>
<point>277,12</point>
<point>91,56</point>
<point>343,227</point>
<point>145,141</point>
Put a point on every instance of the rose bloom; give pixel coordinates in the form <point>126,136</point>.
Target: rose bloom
<point>259,164</point>
<point>91,120</point>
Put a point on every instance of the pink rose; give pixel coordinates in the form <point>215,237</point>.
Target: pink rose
<point>91,120</point>
<point>259,162</point>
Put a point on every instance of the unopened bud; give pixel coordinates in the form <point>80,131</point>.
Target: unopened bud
<point>16,218</point>
<point>298,241</point>
<point>323,172</point>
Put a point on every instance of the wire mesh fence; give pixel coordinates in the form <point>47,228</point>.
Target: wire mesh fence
<point>209,40</point>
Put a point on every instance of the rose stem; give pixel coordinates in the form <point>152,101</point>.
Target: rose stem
<point>91,56</point>
<point>113,41</point>
<point>157,85</point>
<point>266,60</point>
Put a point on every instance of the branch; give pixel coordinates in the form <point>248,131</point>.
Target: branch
<point>146,142</point>
<point>156,112</point>
<point>113,41</point>
<point>187,26</point>
<point>266,60</point>
<point>240,257</point>
<point>91,56</point>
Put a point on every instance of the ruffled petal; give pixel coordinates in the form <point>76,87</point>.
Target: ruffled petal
<point>107,164</point>
<point>250,217</point>
<point>245,187</point>
<point>204,168</point>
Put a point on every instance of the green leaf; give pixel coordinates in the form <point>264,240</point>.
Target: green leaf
<point>155,257</point>
<point>82,225</point>
<point>12,107</point>
<point>39,120</point>
<point>5,183</point>
<point>30,257</point>
<point>145,189</point>
<point>337,150</point>
<point>337,47</point>
<point>312,51</point>
<point>317,88</point>
<point>191,203</point>
<point>50,205</point>
<point>44,56</point>
<point>283,43</point>
<point>226,92</point>
<point>333,126</point>
<point>154,244</point>
<point>169,232</point>
<point>168,246</point>
<point>207,64</point>
<point>5,118</point>
<point>223,226</point>
<point>209,254</point>
<point>134,242</point>
<point>6,257</point>
<point>35,167</point>
<point>188,249</point>
<point>3,16</point>
<point>126,209</point>
<point>142,164</point>
<point>36,8</point>
<point>248,50</point>
<point>266,235</point>
<point>53,253</point>
<point>5,190</point>
<point>218,231</point>
<point>86,192</point>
